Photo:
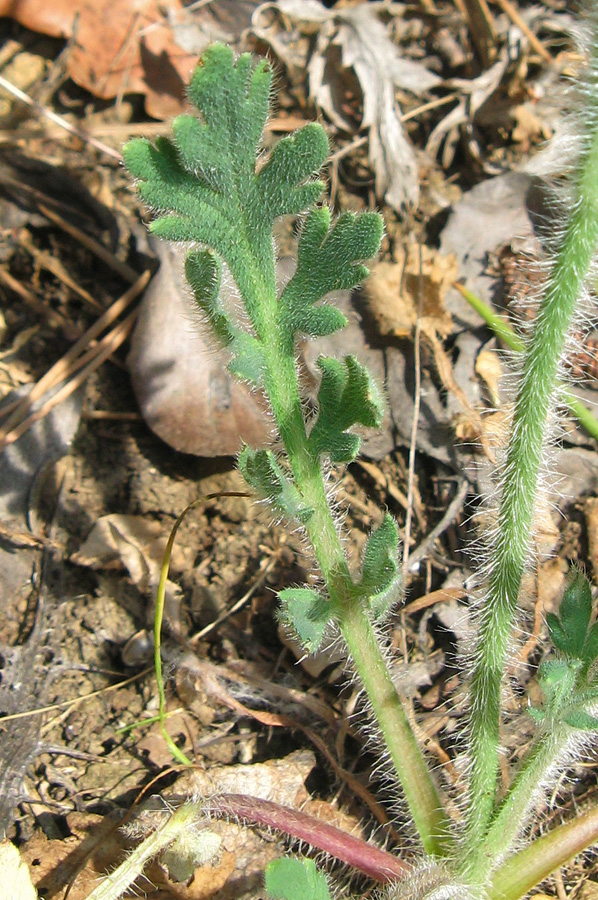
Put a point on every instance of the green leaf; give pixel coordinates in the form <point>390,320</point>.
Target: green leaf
<point>280,190</point>
<point>233,98</point>
<point>307,612</point>
<point>590,647</point>
<point>329,259</point>
<point>295,879</point>
<point>203,272</point>
<point>570,630</point>
<point>204,184</point>
<point>380,568</point>
<point>348,396</point>
<point>557,679</point>
<point>262,471</point>
<point>247,363</point>
<point>580,719</point>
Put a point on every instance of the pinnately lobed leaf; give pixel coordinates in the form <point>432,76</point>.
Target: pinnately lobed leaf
<point>348,396</point>
<point>210,186</point>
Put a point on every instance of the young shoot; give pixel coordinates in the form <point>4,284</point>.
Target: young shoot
<point>210,187</point>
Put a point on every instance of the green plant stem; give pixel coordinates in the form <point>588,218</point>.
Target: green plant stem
<point>117,882</point>
<point>420,791</point>
<point>530,866</point>
<point>512,814</point>
<point>525,456</point>
<point>505,333</point>
<point>416,780</point>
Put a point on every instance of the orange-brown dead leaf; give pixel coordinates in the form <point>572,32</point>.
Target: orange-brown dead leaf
<point>489,369</point>
<point>118,46</point>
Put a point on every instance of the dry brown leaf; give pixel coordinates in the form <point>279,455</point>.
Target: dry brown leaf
<point>24,70</point>
<point>473,94</point>
<point>280,780</point>
<point>118,46</point>
<point>393,292</point>
<point>136,544</point>
<point>365,47</point>
<point>529,127</point>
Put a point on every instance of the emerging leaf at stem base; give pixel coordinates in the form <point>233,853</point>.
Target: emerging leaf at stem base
<point>570,631</point>
<point>307,612</point>
<point>261,470</point>
<point>569,682</point>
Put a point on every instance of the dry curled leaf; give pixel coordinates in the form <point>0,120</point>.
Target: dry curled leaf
<point>122,540</point>
<point>136,544</point>
<point>362,39</point>
<point>489,368</point>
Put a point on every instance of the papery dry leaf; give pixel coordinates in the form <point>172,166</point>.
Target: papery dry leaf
<point>118,540</point>
<point>118,46</point>
<point>365,46</point>
<point>136,544</point>
<point>489,368</point>
<point>497,426</point>
<point>280,780</point>
<point>529,128</point>
<point>473,93</point>
<point>394,289</point>
<point>22,71</point>
<point>16,877</point>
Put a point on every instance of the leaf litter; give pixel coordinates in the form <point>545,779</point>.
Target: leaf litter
<point>366,68</point>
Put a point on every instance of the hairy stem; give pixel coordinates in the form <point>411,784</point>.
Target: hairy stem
<point>117,882</point>
<point>528,868</point>
<point>512,814</point>
<point>416,780</point>
<point>373,862</point>
<point>535,401</point>
<point>418,786</point>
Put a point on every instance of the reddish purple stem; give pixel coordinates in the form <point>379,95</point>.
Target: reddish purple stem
<point>376,863</point>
